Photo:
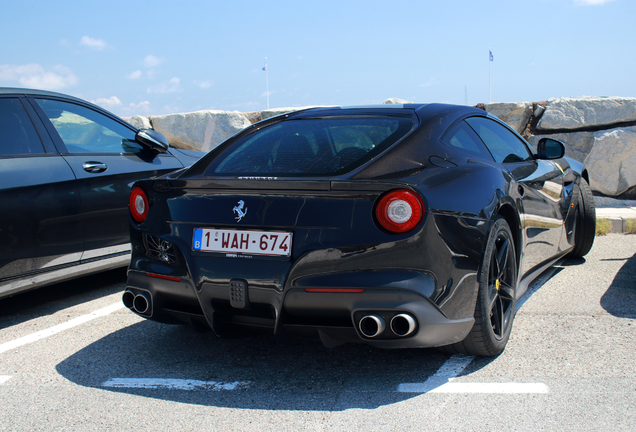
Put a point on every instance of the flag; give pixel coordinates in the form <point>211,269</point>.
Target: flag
<point>265,67</point>
<point>490,55</point>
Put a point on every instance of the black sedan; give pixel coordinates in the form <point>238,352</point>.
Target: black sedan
<point>397,226</point>
<point>66,170</point>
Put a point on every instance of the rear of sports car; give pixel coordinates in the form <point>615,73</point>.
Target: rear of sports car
<point>278,229</point>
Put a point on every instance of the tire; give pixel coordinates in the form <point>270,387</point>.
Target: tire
<point>496,297</point>
<point>585,225</point>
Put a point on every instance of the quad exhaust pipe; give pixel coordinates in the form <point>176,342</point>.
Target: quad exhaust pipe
<point>403,324</point>
<point>139,303</point>
<point>373,325</point>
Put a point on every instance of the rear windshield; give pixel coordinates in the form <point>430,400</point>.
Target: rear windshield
<point>310,147</point>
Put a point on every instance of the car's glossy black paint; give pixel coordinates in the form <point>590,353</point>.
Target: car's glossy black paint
<point>430,271</point>
<point>57,220</point>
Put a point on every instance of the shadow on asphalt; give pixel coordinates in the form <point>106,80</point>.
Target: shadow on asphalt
<point>303,376</point>
<point>620,298</point>
<point>53,298</point>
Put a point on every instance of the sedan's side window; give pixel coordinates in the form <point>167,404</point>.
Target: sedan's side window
<point>17,134</point>
<point>463,138</point>
<point>504,146</point>
<point>84,130</point>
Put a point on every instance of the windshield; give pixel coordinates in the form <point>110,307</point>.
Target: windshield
<point>310,147</point>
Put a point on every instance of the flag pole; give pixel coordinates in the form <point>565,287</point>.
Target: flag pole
<point>489,88</point>
<point>266,82</point>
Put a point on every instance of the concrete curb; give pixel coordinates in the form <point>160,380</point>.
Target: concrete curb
<point>618,217</point>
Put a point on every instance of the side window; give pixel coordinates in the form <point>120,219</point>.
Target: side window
<point>86,131</point>
<point>463,138</point>
<point>17,134</point>
<point>504,146</point>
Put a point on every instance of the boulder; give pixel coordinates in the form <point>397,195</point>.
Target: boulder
<point>612,161</point>
<point>396,101</point>
<point>577,144</point>
<point>200,130</point>
<point>139,122</point>
<point>587,112</point>
<point>516,114</point>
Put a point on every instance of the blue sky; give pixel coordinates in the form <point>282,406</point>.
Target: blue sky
<point>161,57</point>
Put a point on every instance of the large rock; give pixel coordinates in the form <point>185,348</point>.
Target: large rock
<point>396,101</point>
<point>585,112</point>
<point>200,130</point>
<point>516,114</point>
<point>612,161</point>
<point>577,144</point>
<point>139,122</point>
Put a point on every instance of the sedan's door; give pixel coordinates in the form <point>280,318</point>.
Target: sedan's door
<point>40,225</point>
<point>540,185</point>
<point>106,160</point>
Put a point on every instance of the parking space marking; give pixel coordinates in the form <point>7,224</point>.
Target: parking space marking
<point>4,379</point>
<point>443,382</point>
<point>60,327</point>
<point>174,384</point>
<point>449,370</point>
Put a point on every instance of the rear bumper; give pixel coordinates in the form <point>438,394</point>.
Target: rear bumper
<point>335,317</point>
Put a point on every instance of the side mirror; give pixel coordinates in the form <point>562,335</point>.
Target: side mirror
<point>152,140</point>
<point>549,148</point>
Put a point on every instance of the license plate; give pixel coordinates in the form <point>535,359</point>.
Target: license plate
<point>248,242</point>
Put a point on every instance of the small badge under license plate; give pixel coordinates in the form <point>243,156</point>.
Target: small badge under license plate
<point>272,243</point>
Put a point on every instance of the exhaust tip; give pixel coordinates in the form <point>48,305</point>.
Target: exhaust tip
<point>141,303</point>
<point>371,325</point>
<point>128,298</point>
<point>403,324</point>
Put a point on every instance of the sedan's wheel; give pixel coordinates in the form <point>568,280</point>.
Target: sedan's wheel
<point>495,308</point>
<point>585,226</point>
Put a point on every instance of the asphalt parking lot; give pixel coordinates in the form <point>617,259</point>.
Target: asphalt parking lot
<point>72,358</point>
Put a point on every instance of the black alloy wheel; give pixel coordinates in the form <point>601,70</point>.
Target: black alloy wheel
<point>585,226</point>
<point>496,298</point>
<point>501,280</point>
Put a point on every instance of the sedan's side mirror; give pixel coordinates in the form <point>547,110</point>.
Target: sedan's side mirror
<point>152,140</point>
<point>549,148</point>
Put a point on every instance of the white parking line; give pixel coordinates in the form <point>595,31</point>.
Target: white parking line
<point>173,384</point>
<point>4,379</point>
<point>60,327</point>
<point>442,382</point>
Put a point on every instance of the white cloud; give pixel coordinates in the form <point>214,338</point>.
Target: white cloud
<point>108,103</point>
<point>203,84</point>
<point>134,75</point>
<point>35,76</point>
<point>171,86</point>
<point>591,2</point>
<point>92,43</point>
<point>151,61</point>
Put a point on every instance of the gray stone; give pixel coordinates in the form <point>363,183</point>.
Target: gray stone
<point>396,101</point>
<point>200,130</point>
<point>577,144</point>
<point>612,161</point>
<point>577,113</point>
<point>139,122</point>
<point>516,114</point>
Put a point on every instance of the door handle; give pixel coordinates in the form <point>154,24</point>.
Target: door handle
<point>94,167</point>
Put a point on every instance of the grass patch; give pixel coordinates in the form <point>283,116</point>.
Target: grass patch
<point>603,226</point>
<point>630,225</point>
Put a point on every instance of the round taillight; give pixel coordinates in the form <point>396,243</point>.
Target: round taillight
<point>399,211</point>
<point>138,204</point>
